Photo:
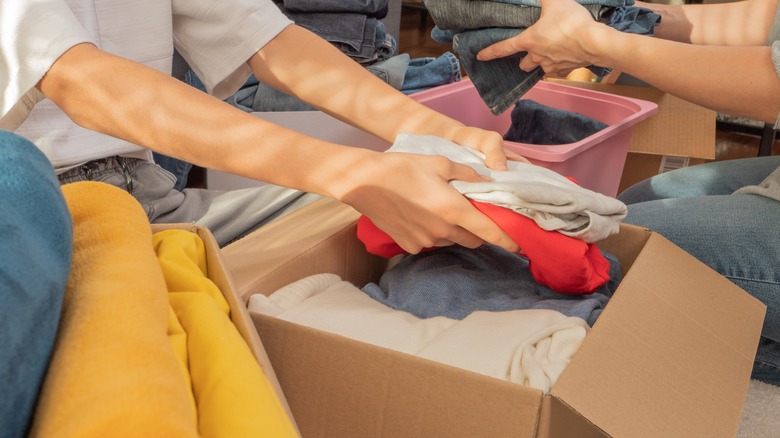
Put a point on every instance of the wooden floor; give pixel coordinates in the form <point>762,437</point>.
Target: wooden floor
<point>415,39</point>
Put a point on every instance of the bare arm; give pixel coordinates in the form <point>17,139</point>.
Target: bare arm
<point>407,196</point>
<point>739,80</point>
<point>738,23</point>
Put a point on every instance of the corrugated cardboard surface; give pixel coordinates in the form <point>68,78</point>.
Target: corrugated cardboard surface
<point>342,388</point>
<point>238,312</point>
<point>671,355</point>
<point>680,128</point>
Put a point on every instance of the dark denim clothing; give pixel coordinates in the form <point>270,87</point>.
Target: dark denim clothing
<point>358,36</point>
<point>534,123</point>
<point>371,8</point>
<point>37,233</point>
<point>536,3</point>
<point>454,281</point>
<point>468,14</point>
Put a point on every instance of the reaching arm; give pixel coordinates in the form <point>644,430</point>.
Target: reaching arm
<point>408,196</point>
<point>738,80</point>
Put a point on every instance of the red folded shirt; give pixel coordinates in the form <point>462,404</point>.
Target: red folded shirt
<point>562,263</point>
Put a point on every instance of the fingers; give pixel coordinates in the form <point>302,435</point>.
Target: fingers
<point>484,229</point>
<point>515,156</point>
<point>500,49</point>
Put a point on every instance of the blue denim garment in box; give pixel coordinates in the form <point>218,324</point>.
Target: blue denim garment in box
<point>35,257</point>
<point>371,8</point>
<point>467,14</point>
<point>428,72</point>
<point>534,123</point>
<point>614,3</point>
<point>454,281</point>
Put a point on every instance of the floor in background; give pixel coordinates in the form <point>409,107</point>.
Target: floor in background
<point>761,414</point>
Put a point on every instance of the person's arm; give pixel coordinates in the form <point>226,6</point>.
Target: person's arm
<point>408,196</point>
<point>319,74</point>
<point>739,80</point>
<point>736,23</point>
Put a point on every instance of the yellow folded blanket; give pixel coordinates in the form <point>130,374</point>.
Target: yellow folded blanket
<point>233,396</point>
<point>113,371</point>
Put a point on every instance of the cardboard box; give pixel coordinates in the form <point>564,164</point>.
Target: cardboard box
<point>680,134</point>
<point>238,312</point>
<point>670,356</point>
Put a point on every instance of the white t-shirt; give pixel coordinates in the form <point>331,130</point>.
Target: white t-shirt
<point>215,38</point>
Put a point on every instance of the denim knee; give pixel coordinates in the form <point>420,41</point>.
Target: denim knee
<point>766,367</point>
<point>35,257</point>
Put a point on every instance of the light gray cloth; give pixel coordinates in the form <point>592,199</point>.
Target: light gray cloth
<point>554,202</point>
<point>769,187</point>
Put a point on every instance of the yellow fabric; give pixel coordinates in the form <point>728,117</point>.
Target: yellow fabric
<point>113,372</point>
<point>178,338</point>
<point>233,396</point>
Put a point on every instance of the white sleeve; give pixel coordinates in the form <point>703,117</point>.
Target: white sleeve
<point>217,38</point>
<point>33,34</point>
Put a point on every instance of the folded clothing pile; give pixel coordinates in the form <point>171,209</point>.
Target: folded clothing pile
<point>130,359</point>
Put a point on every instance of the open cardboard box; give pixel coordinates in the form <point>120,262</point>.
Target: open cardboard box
<point>670,356</point>
<point>238,312</point>
<point>680,134</point>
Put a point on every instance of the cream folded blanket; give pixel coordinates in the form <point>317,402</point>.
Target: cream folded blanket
<point>530,347</point>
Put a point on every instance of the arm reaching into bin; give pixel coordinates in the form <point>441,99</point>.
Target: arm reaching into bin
<point>697,49</point>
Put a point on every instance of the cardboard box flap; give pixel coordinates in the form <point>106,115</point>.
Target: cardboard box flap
<point>558,420</point>
<point>285,251</point>
<point>671,354</point>
<point>359,390</point>
<point>679,128</point>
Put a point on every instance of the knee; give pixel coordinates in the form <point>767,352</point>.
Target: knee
<point>21,160</point>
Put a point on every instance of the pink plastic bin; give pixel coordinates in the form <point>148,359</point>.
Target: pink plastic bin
<point>596,162</point>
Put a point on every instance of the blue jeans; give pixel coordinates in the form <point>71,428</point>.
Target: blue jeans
<point>371,8</point>
<point>736,235</point>
<point>429,72</point>
<point>454,281</point>
<point>37,232</point>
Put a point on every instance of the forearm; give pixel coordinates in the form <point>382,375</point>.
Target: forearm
<point>734,80</point>
<point>316,73</point>
<point>170,117</point>
<point>738,23</point>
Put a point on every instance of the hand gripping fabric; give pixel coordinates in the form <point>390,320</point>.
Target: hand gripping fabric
<point>562,263</point>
